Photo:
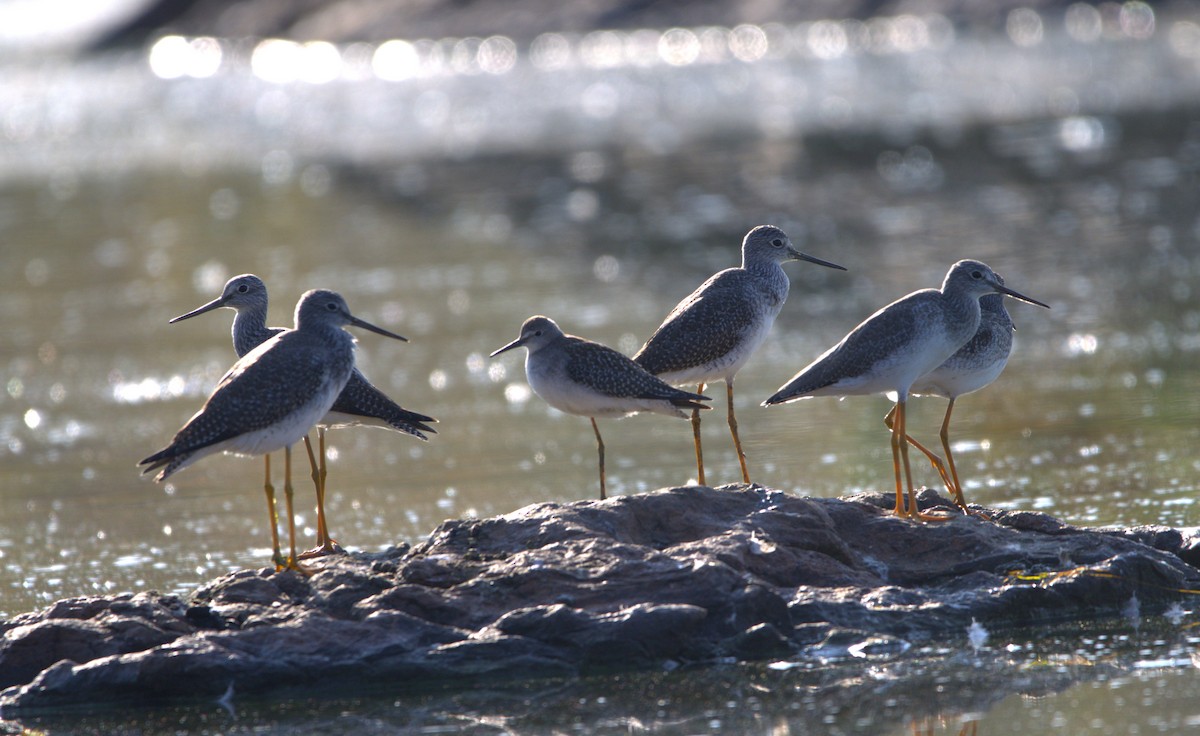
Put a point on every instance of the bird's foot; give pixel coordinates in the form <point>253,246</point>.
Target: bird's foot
<point>912,510</point>
<point>293,564</point>
<point>922,516</point>
<point>330,547</point>
<point>977,513</point>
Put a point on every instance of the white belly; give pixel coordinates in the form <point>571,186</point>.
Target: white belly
<point>281,434</point>
<point>949,383</point>
<point>556,389</point>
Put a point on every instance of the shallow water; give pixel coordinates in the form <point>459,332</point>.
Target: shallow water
<point>109,229</point>
<point>1094,679</point>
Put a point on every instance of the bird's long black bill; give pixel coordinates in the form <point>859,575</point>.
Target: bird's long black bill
<point>214,304</point>
<point>1020,297</point>
<point>514,344</point>
<point>818,261</point>
<point>377,330</point>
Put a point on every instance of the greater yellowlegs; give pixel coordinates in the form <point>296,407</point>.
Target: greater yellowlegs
<point>712,333</point>
<point>894,347</point>
<point>359,404</point>
<point>974,366</point>
<point>271,396</point>
<point>591,380</point>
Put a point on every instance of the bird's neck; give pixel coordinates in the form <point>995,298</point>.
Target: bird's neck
<point>249,329</point>
<point>762,267</point>
<point>962,314</point>
<point>771,276</point>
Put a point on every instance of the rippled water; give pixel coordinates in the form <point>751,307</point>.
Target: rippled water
<point>1097,679</point>
<point>126,200</point>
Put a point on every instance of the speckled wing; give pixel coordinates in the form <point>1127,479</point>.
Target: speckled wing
<point>704,327</point>
<point>258,391</point>
<point>609,372</point>
<point>880,337</point>
<point>360,398</point>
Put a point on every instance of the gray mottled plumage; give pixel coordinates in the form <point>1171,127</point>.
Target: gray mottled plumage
<point>271,397</point>
<point>902,342</point>
<point>589,379</point>
<point>582,377</point>
<point>977,363</point>
<point>712,333</point>
<point>897,345</point>
<point>359,404</point>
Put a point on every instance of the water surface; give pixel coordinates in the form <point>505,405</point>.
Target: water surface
<point>450,206</point>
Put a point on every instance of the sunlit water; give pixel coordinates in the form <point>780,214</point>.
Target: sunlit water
<point>449,204</point>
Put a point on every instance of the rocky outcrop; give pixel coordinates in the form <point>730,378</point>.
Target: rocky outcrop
<point>676,576</point>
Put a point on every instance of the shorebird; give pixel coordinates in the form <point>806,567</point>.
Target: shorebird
<point>712,333</point>
<point>360,403</point>
<point>271,396</point>
<point>975,365</point>
<point>897,345</point>
<point>591,380</point>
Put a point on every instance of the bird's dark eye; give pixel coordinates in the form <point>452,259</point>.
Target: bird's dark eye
<point>331,306</point>
<point>242,288</point>
<point>777,243</point>
<point>977,275</point>
<point>537,333</point>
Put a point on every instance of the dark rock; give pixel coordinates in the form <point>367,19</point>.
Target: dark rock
<point>761,641</point>
<point>83,629</point>
<point>1189,550</point>
<point>678,576</point>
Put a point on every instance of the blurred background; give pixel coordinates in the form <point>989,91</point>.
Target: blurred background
<point>453,184</point>
<point>455,167</point>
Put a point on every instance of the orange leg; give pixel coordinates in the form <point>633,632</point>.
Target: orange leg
<point>325,543</point>
<point>897,434</point>
<point>288,495</point>
<point>276,555</point>
<point>900,457</point>
<point>936,461</point>
<point>733,429</point>
<point>321,518</point>
<point>945,435</point>
<point>316,478</point>
<point>600,449</point>
<point>902,431</point>
<point>696,435</point>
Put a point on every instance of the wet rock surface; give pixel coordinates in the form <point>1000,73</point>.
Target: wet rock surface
<point>682,575</point>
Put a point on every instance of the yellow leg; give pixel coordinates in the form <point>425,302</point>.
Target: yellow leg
<point>938,465</point>
<point>902,431</point>
<point>945,435</point>
<point>316,478</point>
<point>733,429</point>
<point>276,555</point>
<point>600,449</point>
<point>696,434</point>
<point>324,520</point>
<point>899,437</point>
<point>325,543</point>
<point>897,434</point>
<point>289,494</point>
